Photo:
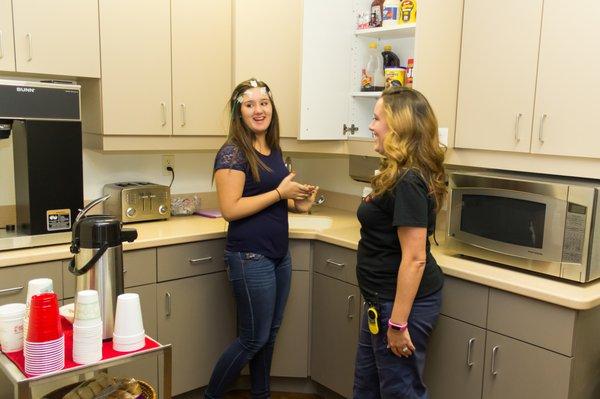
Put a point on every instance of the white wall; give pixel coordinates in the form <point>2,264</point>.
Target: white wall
<point>329,173</point>
<point>193,172</point>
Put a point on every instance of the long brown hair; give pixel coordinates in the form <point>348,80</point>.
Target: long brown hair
<point>411,143</point>
<point>242,136</point>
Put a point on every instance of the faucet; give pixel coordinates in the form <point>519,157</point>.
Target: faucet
<point>288,164</point>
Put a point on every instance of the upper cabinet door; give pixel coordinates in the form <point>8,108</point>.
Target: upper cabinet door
<point>327,38</point>
<point>568,85</point>
<point>136,66</point>
<point>201,49</point>
<point>57,37</point>
<point>497,74</point>
<point>268,37</point>
<point>7,49</point>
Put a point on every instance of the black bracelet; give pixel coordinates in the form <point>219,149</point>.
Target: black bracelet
<point>278,193</point>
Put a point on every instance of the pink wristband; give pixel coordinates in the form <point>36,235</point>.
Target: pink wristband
<point>397,327</point>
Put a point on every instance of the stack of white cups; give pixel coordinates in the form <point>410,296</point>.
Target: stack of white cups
<point>35,287</point>
<point>87,328</point>
<point>11,327</point>
<point>129,334</point>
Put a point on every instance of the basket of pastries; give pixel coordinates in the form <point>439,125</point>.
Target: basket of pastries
<point>105,387</point>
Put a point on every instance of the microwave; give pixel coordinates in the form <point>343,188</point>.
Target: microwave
<point>543,224</point>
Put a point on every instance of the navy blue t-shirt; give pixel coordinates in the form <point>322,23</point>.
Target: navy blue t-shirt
<point>265,232</point>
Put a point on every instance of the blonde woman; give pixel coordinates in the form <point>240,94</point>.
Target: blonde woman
<point>397,275</point>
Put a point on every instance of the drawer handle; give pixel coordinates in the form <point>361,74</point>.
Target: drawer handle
<point>168,303</point>
<point>163,112</point>
<point>334,263</point>
<point>182,114</point>
<point>494,351</point>
<point>124,271</point>
<point>200,260</point>
<point>470,363</point>
<point>349,313</point>
<point>11,290</point>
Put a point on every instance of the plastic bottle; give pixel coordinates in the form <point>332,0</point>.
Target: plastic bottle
<point>372,74</point>
<point>390,59</point>
<point>391,10</point>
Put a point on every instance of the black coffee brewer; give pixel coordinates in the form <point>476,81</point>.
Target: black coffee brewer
<point>98,259</point>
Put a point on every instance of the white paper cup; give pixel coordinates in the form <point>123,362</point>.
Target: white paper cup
<point>128,318</point>
<point>11,327</point>
<point>87,309</point>
<point>38,286</point>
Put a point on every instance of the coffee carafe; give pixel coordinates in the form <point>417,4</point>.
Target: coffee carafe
<point>98,259</point>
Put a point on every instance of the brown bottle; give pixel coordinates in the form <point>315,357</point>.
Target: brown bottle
<point>376,14</point>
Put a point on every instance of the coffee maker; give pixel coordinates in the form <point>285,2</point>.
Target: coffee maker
<point>45,122</point>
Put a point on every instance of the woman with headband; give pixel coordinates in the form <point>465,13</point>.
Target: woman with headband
<point>255,192</point>
<point>398,277</point>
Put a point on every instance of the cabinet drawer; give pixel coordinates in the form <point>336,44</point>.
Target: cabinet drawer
<point>539,323</point>
<point>185,260</point>
<point>465,301</point>
<point>300,253</point>
<point>13,280</point>
<point>336,262</point>
<point>139,268</point>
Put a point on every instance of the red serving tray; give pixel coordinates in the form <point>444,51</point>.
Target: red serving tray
<point>18,358</point>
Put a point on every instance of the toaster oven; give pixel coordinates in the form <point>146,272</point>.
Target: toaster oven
<point>138,201</point>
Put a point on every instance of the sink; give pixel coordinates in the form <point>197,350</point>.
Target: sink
<point>309,222</point>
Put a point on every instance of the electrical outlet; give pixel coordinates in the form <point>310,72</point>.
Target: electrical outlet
<point>168,160</point>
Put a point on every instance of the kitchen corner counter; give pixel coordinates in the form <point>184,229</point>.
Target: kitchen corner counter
<point>344,232</point>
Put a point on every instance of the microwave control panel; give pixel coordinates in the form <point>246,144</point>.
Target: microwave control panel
<point>574,233</point>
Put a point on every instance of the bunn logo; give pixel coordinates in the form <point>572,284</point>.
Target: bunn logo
<point>25,90</point>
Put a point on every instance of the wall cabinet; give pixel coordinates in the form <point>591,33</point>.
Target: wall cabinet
<point>165,72</point>
<point>48,39</point>
<point>7,47</point>
<point>333,54</point>
<point>278,63</point>
<point>509,98</point>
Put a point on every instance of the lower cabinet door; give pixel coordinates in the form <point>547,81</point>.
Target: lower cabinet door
<point>197,316</point>
<point>514,369</point>
<point>454,365</point>
<point>143,369</point>
<point>290,358</point>
<point>334,339</point>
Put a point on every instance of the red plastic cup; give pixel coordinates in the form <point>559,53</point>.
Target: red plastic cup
<point>44,320</point>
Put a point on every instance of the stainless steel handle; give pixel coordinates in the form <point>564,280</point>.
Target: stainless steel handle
<point>517,138</point>
<point>11,290</point>
<point>168,303</point>
<point>200,260</point>
<point>182,106</point>
<point>494,351</point>
<point>29,44</point>
<point>541,131</point>
<point>334,263</point>
<point>163,110</point>
<point>470,363</point>
<point>349,313</point>
<point>1,46</point>
<point>89,206</point>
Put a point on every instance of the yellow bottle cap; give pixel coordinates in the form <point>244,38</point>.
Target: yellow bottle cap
<point>387,47</point>
<point>373,45</point>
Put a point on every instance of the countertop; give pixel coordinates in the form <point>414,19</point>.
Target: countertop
<point>344,231</point>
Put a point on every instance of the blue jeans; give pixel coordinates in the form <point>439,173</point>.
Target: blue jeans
<point>261,287</point>
<point>379,372</point>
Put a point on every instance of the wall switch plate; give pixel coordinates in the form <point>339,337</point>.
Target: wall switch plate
<point>168,160</point>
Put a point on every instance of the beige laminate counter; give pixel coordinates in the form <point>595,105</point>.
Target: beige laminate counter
<point>345,232</point>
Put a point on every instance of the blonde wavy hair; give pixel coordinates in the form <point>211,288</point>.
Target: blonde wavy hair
<point>411,143</point>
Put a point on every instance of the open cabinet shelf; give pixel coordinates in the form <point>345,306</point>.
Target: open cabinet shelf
<point>388,32</point>
<point>369,94</point>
